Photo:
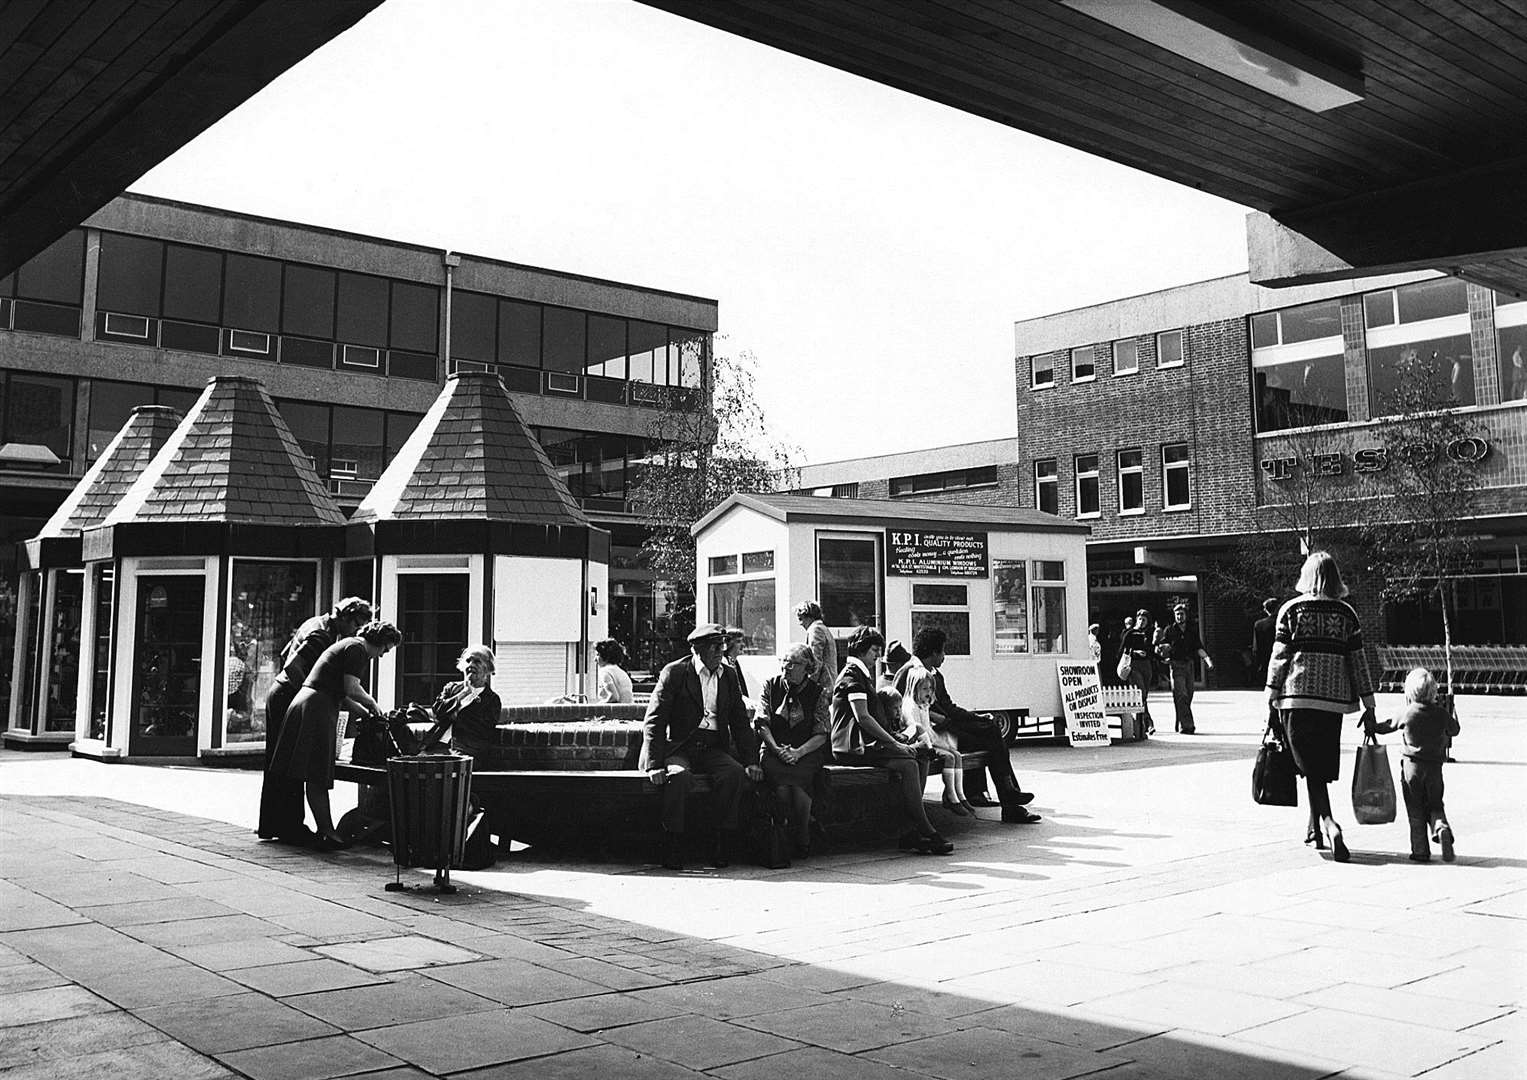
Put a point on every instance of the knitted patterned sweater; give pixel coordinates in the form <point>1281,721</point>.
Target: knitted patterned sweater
<point>1317,658</point>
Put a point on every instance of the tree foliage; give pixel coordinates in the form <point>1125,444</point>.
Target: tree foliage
<point>1420,531</point>
<point>698,457</point>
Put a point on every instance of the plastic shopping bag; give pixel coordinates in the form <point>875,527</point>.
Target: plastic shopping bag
<point>1373,801</point>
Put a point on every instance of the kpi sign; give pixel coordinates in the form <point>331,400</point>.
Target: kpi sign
<point>1081,696</point>
<point>914,553</point>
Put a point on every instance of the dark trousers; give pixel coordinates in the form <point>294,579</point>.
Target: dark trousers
<point>973,733</point>
<point>726,778</point>
<point>1182,694</point>
<point>911,774</point>
<point>281,806</point>
<point>1421,787</point>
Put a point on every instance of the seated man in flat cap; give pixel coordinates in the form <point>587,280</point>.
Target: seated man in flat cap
<point>697,723</point>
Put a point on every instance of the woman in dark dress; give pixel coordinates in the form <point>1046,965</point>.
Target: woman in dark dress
<point>794,725</point>
<point>306,747</point>
<point>281,797</point>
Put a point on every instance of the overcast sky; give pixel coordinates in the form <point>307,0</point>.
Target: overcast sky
<point>871,248</point>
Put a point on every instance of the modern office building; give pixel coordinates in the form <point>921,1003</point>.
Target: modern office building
<point>353,336</point>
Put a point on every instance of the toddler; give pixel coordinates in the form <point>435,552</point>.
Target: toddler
<point>1427,728</point>
<point>915,706</point>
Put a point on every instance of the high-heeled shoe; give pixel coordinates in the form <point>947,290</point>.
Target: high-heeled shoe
<point>933,844</point>
<point>1339,852</point>
<point>330,842</point>
<point>955,807</point>
<point>971,810</point>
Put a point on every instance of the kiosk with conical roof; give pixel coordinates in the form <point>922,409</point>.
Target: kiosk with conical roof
<point>48,638</point>
<point>221,546</point>
<point>474,538</point>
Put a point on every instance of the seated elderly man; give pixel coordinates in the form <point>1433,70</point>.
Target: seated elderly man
<point>697,723</point>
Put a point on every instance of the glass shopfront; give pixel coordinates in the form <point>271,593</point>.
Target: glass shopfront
<point>100,672</point>
<point>267,602</point>
<point>61,694</point>
<point>848,580</point>
<point>167,664</point>
<point>432,614</point>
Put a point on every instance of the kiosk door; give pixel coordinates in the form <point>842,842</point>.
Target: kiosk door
<point>849,582</point>
<point>167,665</point>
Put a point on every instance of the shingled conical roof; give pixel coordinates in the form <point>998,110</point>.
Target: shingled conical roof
<point>472,457</point>
<point>119,465</point>
<point>232,460</point>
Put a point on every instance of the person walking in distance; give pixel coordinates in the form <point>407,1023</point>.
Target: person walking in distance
<point>1182,647</point>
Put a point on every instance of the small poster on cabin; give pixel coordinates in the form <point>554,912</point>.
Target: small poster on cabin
<point>1081,698</point>
<point>915,553</point>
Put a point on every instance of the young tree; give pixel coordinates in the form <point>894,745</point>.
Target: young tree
<point>1420,531</point>
<point>697,457</point>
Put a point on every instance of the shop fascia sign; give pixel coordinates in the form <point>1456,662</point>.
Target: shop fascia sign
<point>1471,450</point>
<point>1134,580</point>
<point>919,553</point>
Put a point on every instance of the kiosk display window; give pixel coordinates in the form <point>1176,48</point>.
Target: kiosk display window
<point>747,602</point>
<point>1049,606</point>
<point>1010,606</point>
<point>269,600</point>
<point>946,607</point>
<point>100,671</point>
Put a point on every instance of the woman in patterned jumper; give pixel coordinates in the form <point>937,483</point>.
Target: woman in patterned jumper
<point>1317,675</point>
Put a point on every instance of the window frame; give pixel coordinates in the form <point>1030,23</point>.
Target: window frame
<point>1122,470</point>
<point>1034,369</point>
<point>915,608</point>
<point>1040,481</point>
<point>1092,364</point>
<point>1182,348</point>
<point>1095,476</point>
<point>742,577</point>
<point>1186,465</point>
<point>1114,349</point>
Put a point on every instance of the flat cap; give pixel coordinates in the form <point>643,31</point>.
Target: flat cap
<point>707,632</point>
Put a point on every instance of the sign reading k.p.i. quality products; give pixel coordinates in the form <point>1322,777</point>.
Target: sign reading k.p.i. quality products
<point>935,554</point>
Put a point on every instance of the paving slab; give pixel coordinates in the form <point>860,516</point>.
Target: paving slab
<point>815,1063</point>
<point>159,986</point>
<point>1364,1040</point>
<point>218,1025</point>
<point>312,1059</point>
<point>144,1061</point>
<point>981,1053</point>
<point>1210,1010</point>
<point>849,1026</point>
<point>55,1040</point>
<point>405,999</point>
<point>698,1042</point>
<point>594,1014</point>
<point>515,982</point>
<point>455,1044</point>
<point>303,977</point>
<point>609,1061</point>
<point>49,1003</point>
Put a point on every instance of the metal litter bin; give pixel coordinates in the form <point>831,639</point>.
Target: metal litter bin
<point>430,795</point>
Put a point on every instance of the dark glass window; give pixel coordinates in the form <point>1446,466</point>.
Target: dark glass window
<point>415,317</point>
<point>1264,330</point>
<point>519,333</point>
<point>361,310</point>
<point>40,409</point>
<point>57,273</point>
<point>1310,322</point>
<point>1432,299</point>
<point>359,445</point>
<point>474,326</point>
<point>252,294</point>
<point>1428,374</point>
<point>1300,393</point>
<point>193,284</point>
<point>111,403</point>
<point>607,347</point>
<point>310,425</point>
<point>132,272</point>
<point>179,400</point>
<point>307,302</point>
<point>687,354</point>
<point>566,450</point>
<point>1378,309</point>
<point>606,466</point>
<point>400,425</point>
<point>649,352</point>
<point>566,340</point>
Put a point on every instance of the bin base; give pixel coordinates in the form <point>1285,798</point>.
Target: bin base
<point>442,884</point>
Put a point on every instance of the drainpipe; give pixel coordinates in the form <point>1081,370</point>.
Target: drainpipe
<point>450,260</point>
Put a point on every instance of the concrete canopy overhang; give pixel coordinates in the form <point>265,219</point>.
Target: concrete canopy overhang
<point>98,94</point>
<point>1418,173</point>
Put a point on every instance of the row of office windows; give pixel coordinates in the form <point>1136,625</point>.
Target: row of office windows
<point>1123,356</point>
<point>1421,331</point>
<point>349,446</point>
<point>948,480</point>
<point>178,296</point>
<point>1129,474</point>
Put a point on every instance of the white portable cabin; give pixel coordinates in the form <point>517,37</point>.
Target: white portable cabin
<point>1008,585</point>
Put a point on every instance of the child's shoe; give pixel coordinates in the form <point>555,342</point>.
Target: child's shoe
<point>1445,838</point>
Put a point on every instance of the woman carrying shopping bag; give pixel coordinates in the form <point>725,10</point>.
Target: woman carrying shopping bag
<point>1317,674</point>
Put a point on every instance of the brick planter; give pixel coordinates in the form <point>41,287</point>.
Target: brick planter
<point>579,744</point>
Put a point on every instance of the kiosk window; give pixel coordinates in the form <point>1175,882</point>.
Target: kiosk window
<point>723,564</point>
<point>1049,606</point>
<point>1010,606</point>
<point>946,607</point>
<point>747,603</point>
<point>848,581</point>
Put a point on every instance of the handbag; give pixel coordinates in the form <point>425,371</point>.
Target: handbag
<point>1126,667</point>
<point>1274,780</point>
<point>1373,801</point>
<point>771,836</point>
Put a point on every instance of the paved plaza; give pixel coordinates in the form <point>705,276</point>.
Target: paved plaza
<point>1157,924</point>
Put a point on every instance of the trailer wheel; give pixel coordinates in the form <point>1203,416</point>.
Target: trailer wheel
<point>1007,723</point>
